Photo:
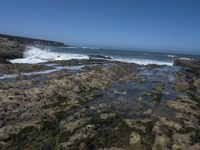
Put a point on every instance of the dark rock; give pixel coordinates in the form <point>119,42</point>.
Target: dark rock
<point>21,68</point>
<point>10,49</point>
<point>63,110</point>
<point>79,62</point>
<point>192,65</point>
<point>4,61</point>
<point>31,41</point>
<point>99,57</point>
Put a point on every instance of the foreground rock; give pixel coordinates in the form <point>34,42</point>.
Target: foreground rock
<point>88,110</point>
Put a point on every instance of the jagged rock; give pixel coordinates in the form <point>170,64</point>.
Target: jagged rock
<point>148,112</point>
<point>4,61</point>
<point>182,106</point>
<point>79,110</point>
<point>162,142</point>
<point>30,41</point>
<point>87,132</point>
<point>10,49</point>
<point>134,138</point>
<point>71,126</point>
<point>181,141</point>
<point>106,116</point>
<point>99,57</point>
<point>193,65</point>
<point>112,148</point>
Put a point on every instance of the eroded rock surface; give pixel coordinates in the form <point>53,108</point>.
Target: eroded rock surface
<point>104,106</point>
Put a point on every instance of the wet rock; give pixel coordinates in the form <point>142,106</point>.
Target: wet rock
<point>10,49</point>
<point>134,138</point>
<point>106,116</point>
<point>4,61</point>
<point>87,132</point>
<point>194,65</point>
<point>181,141</point>
<point>99,57</point>
<point>71,126</point>
<point>73,110</point>
<point>194,147</point>
<point>171,124</point>
<point>112,148</point>
<point>13,69</point>
<point>1,123</point>
<point>140,98</point>
<point>148,112</point>
<point>161,142</point>
<point>182,106</point>
<point>181,86</point>
<point>120,93</point>
<point>136,125</point>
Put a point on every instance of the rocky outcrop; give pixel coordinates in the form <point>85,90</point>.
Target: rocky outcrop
<point>99,107</point>
<point>3,61</point>
<point>12,47</point>
<point>31,41</point>
<point>99,57</point>
<point>193,65</point>
<point>105,105</point>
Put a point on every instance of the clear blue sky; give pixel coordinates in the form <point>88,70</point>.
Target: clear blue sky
<point>130,24</point>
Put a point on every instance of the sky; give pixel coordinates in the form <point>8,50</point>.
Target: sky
<point>154,25</point>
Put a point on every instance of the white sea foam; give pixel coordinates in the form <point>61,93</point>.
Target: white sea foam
<point>143,61</point>
<point>186,58</point>
<point>34,55</point>
<point>8,76</point>
<point>90,47</point>
<point>171,56</point>
<point>70,47</point>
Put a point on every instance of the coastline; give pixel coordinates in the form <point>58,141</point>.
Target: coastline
<point>13,47</point>
<point>100,104</point>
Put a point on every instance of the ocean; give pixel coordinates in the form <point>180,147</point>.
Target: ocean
<point>39,54</point>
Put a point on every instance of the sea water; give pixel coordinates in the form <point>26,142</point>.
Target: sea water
<point>39,54</point>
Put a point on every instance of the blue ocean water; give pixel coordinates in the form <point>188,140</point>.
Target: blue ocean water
<point>38,54</point>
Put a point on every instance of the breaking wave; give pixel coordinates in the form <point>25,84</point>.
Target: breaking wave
<point>143,61</point>
<point>34,55</point>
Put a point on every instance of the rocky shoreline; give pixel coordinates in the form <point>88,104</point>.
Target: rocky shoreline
<point>97,103</point>
<point>13,47</point>
<point>100,104</point>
